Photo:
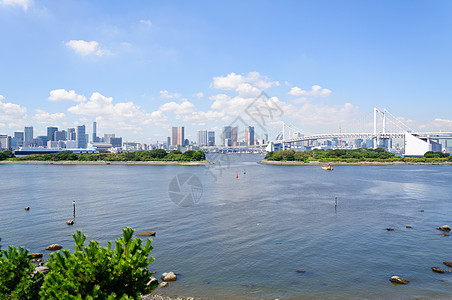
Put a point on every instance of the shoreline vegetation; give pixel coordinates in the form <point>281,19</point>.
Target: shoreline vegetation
<point>361,156</point>
<point>153,157</point>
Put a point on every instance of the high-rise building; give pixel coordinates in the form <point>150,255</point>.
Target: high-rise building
<point>180,136</point>
<point>116,142</point>
<point>95,138</point>
<point>211,138</point>
<point>81,136</point>
<point>249,135</point>
<point>71,136</point>
<point>59,135</point>
<point>227,134</point>
<point>235,133</point>
<point>107,137</point>
<point>174,136</point>
<point>18,139</point>
<point>202,137</point>
<point>51,133</point>
<point>28,136</point>
<point>168,141</point>
<point>5,142</point>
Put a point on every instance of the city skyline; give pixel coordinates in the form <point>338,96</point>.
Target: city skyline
<point>141,69</point>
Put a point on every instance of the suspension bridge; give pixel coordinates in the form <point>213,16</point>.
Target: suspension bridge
<point>386,128</point>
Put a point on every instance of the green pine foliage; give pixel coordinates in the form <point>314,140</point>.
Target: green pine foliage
<point>17,280</point>
<point>152,155</point>
<point>96,272</point>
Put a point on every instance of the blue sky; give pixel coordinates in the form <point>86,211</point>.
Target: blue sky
<point>140,67</point>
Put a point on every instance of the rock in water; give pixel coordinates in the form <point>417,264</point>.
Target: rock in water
<point>300,271</point>
<point>43,270</point>
<point>444,234</point>
<point>170,276</point>
<point>408,226</point>
<point>34,255</point>
<point>397,279</point>
<point>390,229</point>
<point>438,270</point>
<point>70,222</point>
<point>146,233</point>
<point>27,208</point>
<point>444,228</point>
<point>163,284</point>
<point>54,247</point>
<point>447,263</point>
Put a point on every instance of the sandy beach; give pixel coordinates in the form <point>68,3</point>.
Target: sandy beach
<point>69,162</point>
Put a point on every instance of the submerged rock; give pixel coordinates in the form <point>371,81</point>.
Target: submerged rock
<point>170,276</point>
<point>54,247</point>
<point>408,226</point>
<point>397,279</point>
<point>444,234</point>
<point>146,233</point>
<point>163,284</point>
<point>444,228</point>
<point>421,210</point>
<point>300,271</point>
<point>438,270</point>
<point>390,229</point>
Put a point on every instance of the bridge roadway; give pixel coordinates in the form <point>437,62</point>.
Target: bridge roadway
<point>328,136</point>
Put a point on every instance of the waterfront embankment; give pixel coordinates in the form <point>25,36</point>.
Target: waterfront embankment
<point>76,162</point>
<point>361,163</point>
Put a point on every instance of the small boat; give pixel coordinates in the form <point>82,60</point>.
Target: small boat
<point>327,167</point>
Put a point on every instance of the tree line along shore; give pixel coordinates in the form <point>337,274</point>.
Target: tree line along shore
<point>361,155</point>
<point>157,155</point>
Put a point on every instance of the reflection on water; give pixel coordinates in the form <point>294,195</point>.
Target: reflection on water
<point>246,236</point>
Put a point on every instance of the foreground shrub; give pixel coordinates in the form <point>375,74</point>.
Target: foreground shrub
<point>17,280</point>
<point>96,272</point>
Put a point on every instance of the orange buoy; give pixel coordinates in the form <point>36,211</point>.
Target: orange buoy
<point>237,175</point>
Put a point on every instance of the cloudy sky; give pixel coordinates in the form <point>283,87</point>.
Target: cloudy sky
<point>140,67</point>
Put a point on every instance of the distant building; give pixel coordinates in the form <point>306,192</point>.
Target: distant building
<point>51,133</point>
<point>227,134</point>
<point>211,138</point>
<point>18,139</point>
<point>116,142</point>
<point>28,136</point>
<point>174,136</point>
<point>249,135</point>
<point>41,141</point>
<point>235,133</point>
<point>168,141</point>
<point>107,137</point>
<point>5,142</point>
<point>81,137</point>
<point>180,136</point>
<point>71,136</point>
<point>202,137</point>
<point>59,135</point>
<point>95,138</point>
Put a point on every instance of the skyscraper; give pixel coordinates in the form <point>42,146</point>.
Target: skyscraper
<point>81,136</point>
<point>51,133</point>
<point>180,136</point>
<point>211,138</point>
<point>202,137</point>
<point>28,136</point>
<point>95,138</point>
<point>174,136</point>
<point>227,134</point>
<point>235,133</point>
<point>249,135</point>
<point>71,134</point>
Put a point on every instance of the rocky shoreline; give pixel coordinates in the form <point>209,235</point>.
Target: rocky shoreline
<point>361,163</point>
<point>76,162</point>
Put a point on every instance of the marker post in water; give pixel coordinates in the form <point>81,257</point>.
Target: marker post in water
<point>73,205</point>
<point>335,203</point>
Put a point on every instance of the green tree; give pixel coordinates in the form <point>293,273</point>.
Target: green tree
<point>96,272</point>
<point>17,280</point>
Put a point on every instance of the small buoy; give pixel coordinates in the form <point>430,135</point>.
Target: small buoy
<point>244,171</point>
<point>27,208</point>
<point>237,175</point>
<point>70,222</point>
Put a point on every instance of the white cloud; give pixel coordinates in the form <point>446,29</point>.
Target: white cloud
<point>61,95</point>
<point>232,81</point>
<point>122,115</point>
<point>316,91</point>
<point>167,95</point>
<point>46,118</point>
<point>25,4</point>
<point>199,95</point>
<point>185,107</point>
<point>146,22</point>
<point>12,115</point>
<point>85,48</point>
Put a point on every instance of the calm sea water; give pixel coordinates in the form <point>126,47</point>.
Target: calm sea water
<point>245,237</point>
